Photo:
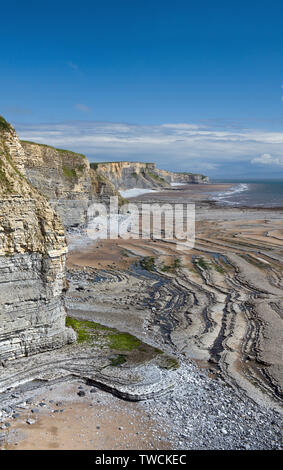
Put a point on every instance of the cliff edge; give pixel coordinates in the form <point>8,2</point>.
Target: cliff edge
<point>66,180</point>
<point>32,260</point>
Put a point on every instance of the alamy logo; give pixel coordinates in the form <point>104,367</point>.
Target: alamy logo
<point>168,222</point>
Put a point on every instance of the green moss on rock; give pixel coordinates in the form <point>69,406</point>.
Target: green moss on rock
<point>69,173</point>
<point>148,263</point>
<point>123,347</point>
<point>4,124</point>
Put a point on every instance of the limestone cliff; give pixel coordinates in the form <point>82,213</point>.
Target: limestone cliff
<point>184,178</point>
<point>127,175</point>
<point>71,184</point>
<point>66,180</point>
<point>32,260</point>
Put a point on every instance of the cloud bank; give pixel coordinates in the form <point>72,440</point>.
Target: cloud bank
<point>221,152</point>
<point>267,159</point>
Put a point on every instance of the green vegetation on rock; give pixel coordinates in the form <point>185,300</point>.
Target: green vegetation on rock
<point>202,263</point>
<point>122,200</point>
<point>218,268</point>
<point>118,360</point>
<point>72,173</point>
<point>4,124</point>
<point>124,347</point>
<point>170,363</point>
<point>89,331</point>
<point>69,173</point>
<point>123,341</point>
<point>148,263</point>
<point>157,178</point>
<point>171,268</point>
<point>85,329</point>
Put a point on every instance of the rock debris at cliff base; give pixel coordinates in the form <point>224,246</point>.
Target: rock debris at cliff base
<point>200,413</point>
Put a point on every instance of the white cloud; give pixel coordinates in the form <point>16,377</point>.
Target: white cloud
<point>183,126</point>
<point>184,146</point>
<point>267,159</point>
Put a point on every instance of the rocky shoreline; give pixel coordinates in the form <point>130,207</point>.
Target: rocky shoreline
<point>219,398</point>
<point>200,413</point>
<point>192,337</point>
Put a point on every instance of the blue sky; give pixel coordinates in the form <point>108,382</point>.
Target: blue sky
<point>194,86</point>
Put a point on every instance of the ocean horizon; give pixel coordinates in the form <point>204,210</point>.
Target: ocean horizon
<point>250,193</point>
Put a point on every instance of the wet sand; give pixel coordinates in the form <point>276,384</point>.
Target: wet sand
<point>106,254</point>
<point>240,251</point>
<point>95,421</point>
<point>188,193</point>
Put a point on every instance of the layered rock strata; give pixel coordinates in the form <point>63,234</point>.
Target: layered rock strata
<point>66,180</point>
<point>127,175</point>
<point>71,184</point>
<point>219,304</point>
<point>183,178</point>
<point>32,261</point>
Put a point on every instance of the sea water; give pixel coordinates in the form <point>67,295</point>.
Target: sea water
<point>251,193</point>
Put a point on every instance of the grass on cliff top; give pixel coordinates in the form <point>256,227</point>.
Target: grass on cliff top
<point>54,148</point>
<point>4,124</point>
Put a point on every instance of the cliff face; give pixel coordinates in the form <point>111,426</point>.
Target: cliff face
<point>32,261</point>
<point>127,175</point>
<point>66,180</point>
<point>71,184</point>
<point>184,178</point>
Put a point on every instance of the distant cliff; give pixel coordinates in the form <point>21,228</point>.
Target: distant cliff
<point>185,178</point>
<point>127,175</point>
<point>71,184</point>
<point>32,260</point>
<point>66,180</point>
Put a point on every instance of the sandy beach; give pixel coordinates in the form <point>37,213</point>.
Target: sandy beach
<point>63,420</point>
